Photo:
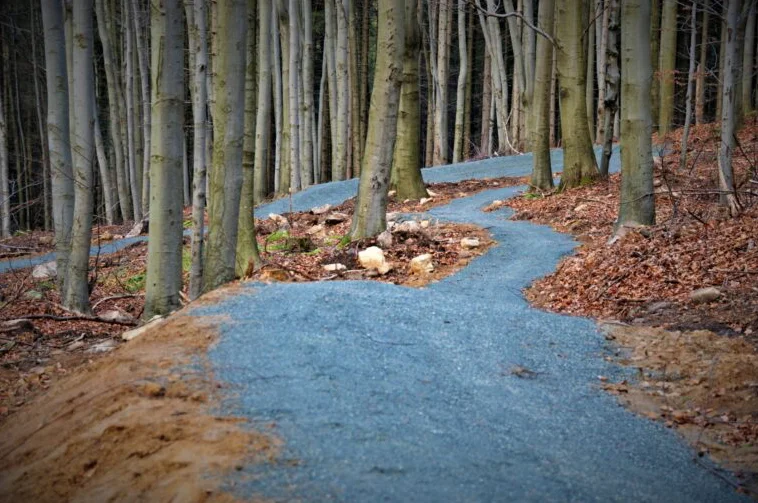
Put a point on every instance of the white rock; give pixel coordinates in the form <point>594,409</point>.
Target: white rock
<point>279,220</point>
<point>115,315</point>
<point>320,210</point>
<point>469,243</point>
<point>581,207</point>
<point>422,264</point>
<point>703,295</point>
<point>425,200</point>
<point>431,193</point>
<point>384,239</point>
<point>392,193</point>
<point>334,267</point>
<point>424,224</point>
<point>133,334</point>
<point>373,258</point>
<point>409,227</point>
<point>316,229</point>
<point>103,347</point>
<point>45,271</point>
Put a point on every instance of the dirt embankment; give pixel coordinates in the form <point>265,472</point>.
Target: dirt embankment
<point>137,425</point>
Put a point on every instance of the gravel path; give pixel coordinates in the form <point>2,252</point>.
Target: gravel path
<point>385,393</point>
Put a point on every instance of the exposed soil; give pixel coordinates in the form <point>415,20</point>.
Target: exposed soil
<point>695,361</point>
<point>135,426</point>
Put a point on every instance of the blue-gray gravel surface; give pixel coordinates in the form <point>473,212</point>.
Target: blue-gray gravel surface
<point>386,393</point>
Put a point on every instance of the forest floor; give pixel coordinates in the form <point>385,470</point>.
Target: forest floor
<point>696,361</point>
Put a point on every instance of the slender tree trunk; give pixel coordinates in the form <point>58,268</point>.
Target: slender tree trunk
<point>484,134</point>
<point>542,174</point>
<point>164,248</point>
<point>129,78</point>
<point>59,135</point>
<point>726,148</point>
<point>406,176</point>
<point>105,29</point>
<point>330,54</point>
<point>655,41</point>
<point>601,34</point>
<point>701,68</point>
<point>748,57</point>
<point>667,66</point>
<point>611,80</point>
<point>690,86</point>
<point>463,78</point>
<point>47,216</point>
<point>467,142</point>
<point>278,98</point>
<point>247,246</point>
<point>109,191</point>
<point>339,163</point>
<point>637,205</point>
<point>441,83</point>
<point>197,15</point>
<point>294,94</point>
<point>228,134</point>
<point>371,207</point>
<point>5,195</point>
<point>263,113</point>
<point>579,165</point>
<point>590,87</point>
<point>144,74</point>
<point>307,150</point>
<point>76,296</point>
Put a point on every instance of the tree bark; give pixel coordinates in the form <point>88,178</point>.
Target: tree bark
<point>611,80</point>
<point>370,210</point>
<point>440,84</point>
<point>406,176</point>
<point>76,296</point>
<point>542,174</point>
<point>728,196</point>
<point>263,112</point>
<point>701,68</point>
<point>579,165</point>
<point>144,73</point>
<point>637,204</point>
<point>690,86</point>
<point>667,66</point>
<point>460,98</point>
<point>58,137</point>
<point>748,56</point>
<point>228,135</point>
<point>164,247</point>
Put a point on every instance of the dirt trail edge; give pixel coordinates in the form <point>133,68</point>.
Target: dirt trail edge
<point>138,425</point>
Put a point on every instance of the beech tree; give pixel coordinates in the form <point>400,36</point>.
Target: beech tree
<point>76,284</point>
<point>164,248</point>
<point>637,202</point>
<point>542,175</point>
<point>579,164</point>
<point>228,136</point>
<point>58,133</point>
<point>370,216</point>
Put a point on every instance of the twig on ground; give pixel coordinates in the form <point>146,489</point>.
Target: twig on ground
<point>72,318</point>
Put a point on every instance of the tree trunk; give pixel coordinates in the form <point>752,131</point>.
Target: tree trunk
<point>406,176</point>
<point>5,195</point>
<point>276,68</point>
<point>667,66</point>
<point>690,86</point>
<point>484,133</point>
<point>655,41</point>
<point>463,77</point>
<point>76,297</point>
<point>307,151</point>
<point>370,210</point>
<point>58,138</point>
<point>144,74</point>
<point>196,15</point>
<point>129,78</point>
<point>542,174</point>
<point>247,247</point>
<point>263,113</point>
<point>701,68</point>
<point>228,134</point>
<point>294,94</point>
<point>637,205</point>
<point>339,163</point>
<point>611,80</point>
<point>105,29</point>
<point>164,248</point>
<point>440,83</point>
<point>748,57</point>
<point>726,148</point>
<point>579,165</point>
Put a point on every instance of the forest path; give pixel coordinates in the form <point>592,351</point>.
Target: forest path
<point>455,392</point>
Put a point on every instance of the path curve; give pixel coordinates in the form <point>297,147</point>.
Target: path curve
<point>386,393</point>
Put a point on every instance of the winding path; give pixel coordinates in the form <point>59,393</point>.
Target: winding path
<point>385,393</point>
